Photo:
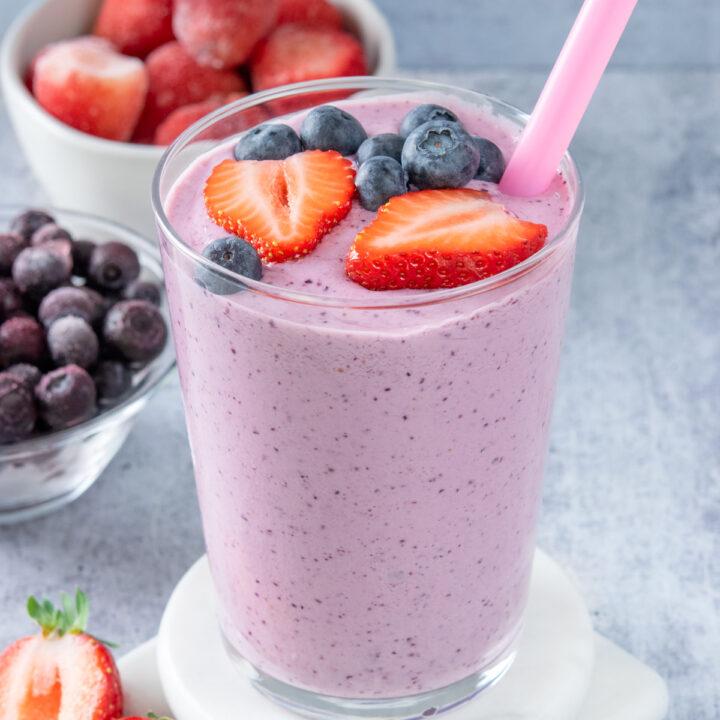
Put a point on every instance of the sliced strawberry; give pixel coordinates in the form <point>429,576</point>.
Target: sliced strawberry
<point>61,673</point>
<point>440,239</point>
<point>282,207</point>
<point>317,12</point>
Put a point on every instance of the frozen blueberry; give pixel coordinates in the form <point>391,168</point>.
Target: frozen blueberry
<point>50,231</point>
<point>492,162</point>
<point>38,270</point>
<point>330,128</point>
<point>72,341</point>
<point>387,145</point>
<point>379,179</point>
<point>440,155</point>
<point>81,251</point>
<point>17,409</point>
<point>135,329</point>
<point>22,340</point>
<point>11,302</point>
<point>112,379</point>
<point>10,246</point>
<point>28,222</point>
<point>142,290</point>
<point>66,396</point>
<point>270,141</point>
<point>426,113</point>
<point>113,265</point>
<point>29,374</point>
<point>232,253</point>
<point>69,300</point>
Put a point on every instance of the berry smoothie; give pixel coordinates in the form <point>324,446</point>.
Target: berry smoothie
<point>369,463</point>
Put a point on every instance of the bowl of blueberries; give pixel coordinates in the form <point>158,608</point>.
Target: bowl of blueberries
<point>83,344</point>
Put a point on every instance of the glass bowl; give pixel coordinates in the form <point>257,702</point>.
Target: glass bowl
<point>49,470</point>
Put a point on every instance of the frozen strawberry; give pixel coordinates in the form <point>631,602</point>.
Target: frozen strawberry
<point>440,239</point>
<point>88,85</point>
<point>299,52</point>
<point>61,672</point>
<point>223,33</point>
<point>281,207</point>
<point>181,119</point>
<point>135,27</point>
<point>316,12</point>
<point>177,80</point>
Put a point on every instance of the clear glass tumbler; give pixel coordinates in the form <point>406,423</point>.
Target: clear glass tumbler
<point>368,469</point>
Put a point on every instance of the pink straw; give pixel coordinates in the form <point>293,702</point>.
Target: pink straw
<point>566,95</point>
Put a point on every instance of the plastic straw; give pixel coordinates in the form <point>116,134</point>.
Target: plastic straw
<point>566,95</point>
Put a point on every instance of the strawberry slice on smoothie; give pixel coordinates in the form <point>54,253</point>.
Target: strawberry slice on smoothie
<point>440,239</point>
<point>281,207</point>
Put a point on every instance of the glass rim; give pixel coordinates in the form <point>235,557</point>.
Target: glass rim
<point>413,299</point>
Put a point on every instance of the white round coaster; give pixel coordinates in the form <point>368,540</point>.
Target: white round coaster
<point>549,678</point>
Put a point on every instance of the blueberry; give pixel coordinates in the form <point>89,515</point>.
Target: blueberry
<point>81,251</point>
<point>50,231</point>
<point>492,162</point>
<point>330,128</point>
<point>68,300</point>
<point>22,340</point>
<point>112,266</point>
<point>38,270</point>
<point>28,222</point>
<point>270,141</point>
<point>379,179</point>
<point>135,329</point>
<point>387,145</point>
<point>72,341</point>
<point>10,246</point>
<point>66,396</point>
<point>17,409</point>
<point>440,155</point>
<point>29,374</point>
<point>426,113</point>
<point>112,379</point>
<point>11,302</point>
<point>232,253</point>
<point>142,290</point>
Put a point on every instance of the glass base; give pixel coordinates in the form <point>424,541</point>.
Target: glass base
<point>413,707</point>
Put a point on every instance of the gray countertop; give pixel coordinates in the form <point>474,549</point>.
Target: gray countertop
<point>632,493</point>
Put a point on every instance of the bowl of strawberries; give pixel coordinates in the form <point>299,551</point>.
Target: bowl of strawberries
<point>96,89</point>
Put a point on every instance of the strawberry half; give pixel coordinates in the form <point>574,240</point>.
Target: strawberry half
<point>62,672</point>
<point>440,239</point>
<point>281,207</point>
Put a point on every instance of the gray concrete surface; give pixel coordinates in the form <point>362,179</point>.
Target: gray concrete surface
<point>632,495</point>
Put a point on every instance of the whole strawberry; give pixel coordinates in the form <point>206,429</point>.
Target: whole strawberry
<point>62,672</point>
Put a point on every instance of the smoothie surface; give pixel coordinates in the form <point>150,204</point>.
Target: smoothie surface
<point>323,270</point>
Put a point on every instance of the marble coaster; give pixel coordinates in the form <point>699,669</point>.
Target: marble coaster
<point>563,671</point>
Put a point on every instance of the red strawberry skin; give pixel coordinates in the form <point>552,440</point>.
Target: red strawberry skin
<point>88,85</point>
<point>282,207</point>
<point>176,80</point>
<point>315,12</point>
<point>223,33</point>
<point>135,27</point>
<point>440,239</point>
<point>49,678</point>
<point>181,119</point>
<point>298,52</point>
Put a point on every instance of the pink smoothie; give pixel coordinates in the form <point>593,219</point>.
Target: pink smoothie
<point>369,478</point>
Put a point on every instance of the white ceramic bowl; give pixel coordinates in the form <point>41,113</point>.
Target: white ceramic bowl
<point>102,177</point>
